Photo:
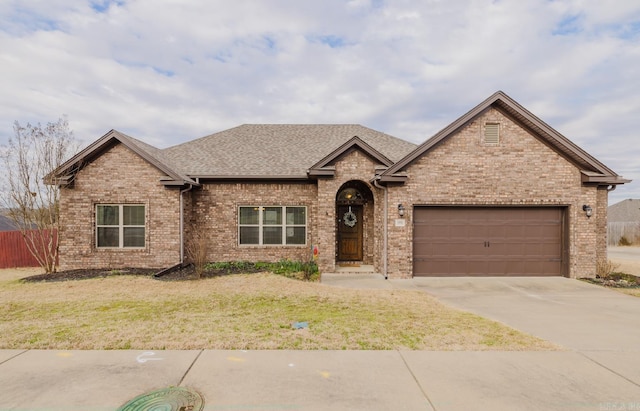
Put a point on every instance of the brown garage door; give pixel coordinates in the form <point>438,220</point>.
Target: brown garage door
<point>482,241</point>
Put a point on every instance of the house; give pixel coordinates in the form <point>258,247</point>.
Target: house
<point>6,224</point>
<point>497,192</point>
<point>624,221</point>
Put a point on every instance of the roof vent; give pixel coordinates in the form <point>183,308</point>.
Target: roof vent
<point>492,133</point>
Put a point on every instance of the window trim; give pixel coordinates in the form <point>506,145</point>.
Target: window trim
<point>121,226</point>
<point>283,225</point>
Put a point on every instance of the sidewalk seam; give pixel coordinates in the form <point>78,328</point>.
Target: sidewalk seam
<point>424,393</point>
<point>608,369</point>
<point>190,366</point>
<point>11,358</point>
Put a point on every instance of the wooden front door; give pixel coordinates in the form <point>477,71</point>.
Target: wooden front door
<point>349,232</point>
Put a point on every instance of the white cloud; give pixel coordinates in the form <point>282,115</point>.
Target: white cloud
<point>169,71</point>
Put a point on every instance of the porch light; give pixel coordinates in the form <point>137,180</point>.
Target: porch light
<point>400,210</point>
<point>587,210</point>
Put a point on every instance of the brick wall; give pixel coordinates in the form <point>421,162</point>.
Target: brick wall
<point>215,211</point>
<point>119,176</point>
<point>353,166</point>
<point>521,170</point>
<point>462,170</point>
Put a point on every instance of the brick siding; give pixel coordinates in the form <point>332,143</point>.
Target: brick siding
<point>520,170</point>
<point>462,170</point>
<point>354,166</point>
<point>119,176</point>
<point>215,212</point>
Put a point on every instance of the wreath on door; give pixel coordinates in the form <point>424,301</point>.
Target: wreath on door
<point>350,218</point>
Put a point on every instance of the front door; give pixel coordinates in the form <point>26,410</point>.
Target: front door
<point>349,232</point>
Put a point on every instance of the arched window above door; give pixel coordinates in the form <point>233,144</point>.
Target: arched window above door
<point>350,195</point>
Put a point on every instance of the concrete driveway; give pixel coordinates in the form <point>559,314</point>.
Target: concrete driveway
<point>576,315</point>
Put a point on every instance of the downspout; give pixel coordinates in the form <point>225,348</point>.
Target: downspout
<point>182,222</point>
<point>385,230</point>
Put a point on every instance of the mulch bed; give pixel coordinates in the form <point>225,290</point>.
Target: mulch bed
<point>616,280</point>
<point>86,274</point>
<point>189,273</point>
<point>186,273</point>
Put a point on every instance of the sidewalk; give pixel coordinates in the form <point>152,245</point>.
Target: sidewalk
<point>316,380</point>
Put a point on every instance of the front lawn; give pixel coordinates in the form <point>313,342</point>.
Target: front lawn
<point>245,311</point>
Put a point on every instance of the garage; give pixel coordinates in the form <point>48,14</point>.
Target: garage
<point>488,241</point>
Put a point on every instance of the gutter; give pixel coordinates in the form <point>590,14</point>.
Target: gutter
<point>182,222</point>
<point>385,230</point>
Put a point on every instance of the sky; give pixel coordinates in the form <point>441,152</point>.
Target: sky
<point>169,71</point>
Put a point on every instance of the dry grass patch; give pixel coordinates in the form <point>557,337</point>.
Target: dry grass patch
<point>631,291</point>
<point>237,312</point>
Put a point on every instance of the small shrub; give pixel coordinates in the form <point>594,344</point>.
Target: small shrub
<point>624,241</point>
<point>294,269</point>
<point>307,271</point>
<point>197,248</point>
<point>310,271</point>
<point>231,266</point>
<point>216,266</point>
<point>261,265</point>
<point>604,268</point>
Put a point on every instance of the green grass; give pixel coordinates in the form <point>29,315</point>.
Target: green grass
<point>237,312</point>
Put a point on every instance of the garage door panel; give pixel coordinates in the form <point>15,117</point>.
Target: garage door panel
<point>450,249</point>
<point>477,241</point>
<point>443,268</point>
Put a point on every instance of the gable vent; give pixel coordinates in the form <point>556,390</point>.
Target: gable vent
<point>492,133</point>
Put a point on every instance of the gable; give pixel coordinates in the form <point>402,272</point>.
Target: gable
<point>518,164</point>
<point>592,171</point>
<point>326,166</point>
<point>117,167</point>
<point>65,174</point>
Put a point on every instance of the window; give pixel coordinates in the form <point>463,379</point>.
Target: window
<point>492,133</point>
<point>120,226</point>
<point>272,225</point>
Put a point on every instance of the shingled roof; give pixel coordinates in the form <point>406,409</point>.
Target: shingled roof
<point>6,224</point>
<point>625,211</point>
<point>64,174</point>
<point>275,150</point>
<point>303,151</point>
<point>250,151</point>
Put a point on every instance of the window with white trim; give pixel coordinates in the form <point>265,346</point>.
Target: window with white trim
<point>272,225</point>
<point>120,226</point>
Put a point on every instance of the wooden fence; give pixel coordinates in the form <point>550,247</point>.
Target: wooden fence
<point>14,251</point>
<point>617,230</point>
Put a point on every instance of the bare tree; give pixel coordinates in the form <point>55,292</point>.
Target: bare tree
<point>33,153</point>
